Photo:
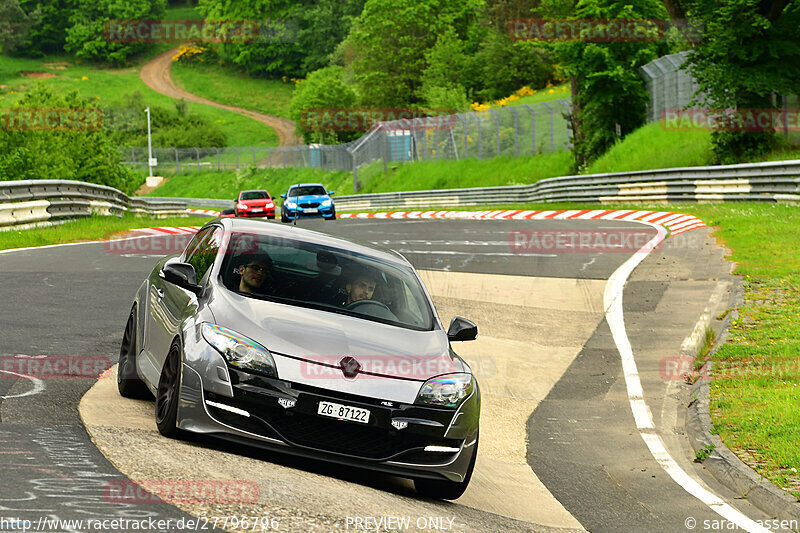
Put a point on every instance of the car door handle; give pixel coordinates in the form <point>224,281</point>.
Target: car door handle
<point>159,292</point>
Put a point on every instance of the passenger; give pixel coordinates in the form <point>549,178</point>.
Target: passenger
<point>256,275</point>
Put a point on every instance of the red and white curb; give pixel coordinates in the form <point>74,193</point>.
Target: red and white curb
<point>676,223</point>
<point>204,212</point>
<point>163,230</point>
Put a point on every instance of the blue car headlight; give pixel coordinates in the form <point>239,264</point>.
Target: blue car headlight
<point>326,203</point>
<point>446,391</point>
<point>290,204</point>
<point>239,351</point>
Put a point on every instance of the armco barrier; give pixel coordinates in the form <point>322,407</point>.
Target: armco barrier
<point>772,181</point>
<point>29,202</point>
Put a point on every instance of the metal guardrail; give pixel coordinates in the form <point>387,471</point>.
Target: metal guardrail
<point>26,203</point>
<point>771,181</point>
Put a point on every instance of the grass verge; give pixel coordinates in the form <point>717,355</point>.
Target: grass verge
<point>88,229</point>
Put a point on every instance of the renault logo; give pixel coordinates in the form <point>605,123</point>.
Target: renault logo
<point>350,367</point>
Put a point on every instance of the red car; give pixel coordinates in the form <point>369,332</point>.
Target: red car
<point>254,204</point>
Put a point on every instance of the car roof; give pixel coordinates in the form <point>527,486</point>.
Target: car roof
<point>293,232</point>
<point>307,185</point>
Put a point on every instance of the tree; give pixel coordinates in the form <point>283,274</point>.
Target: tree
<point>14,24</point>
<point>608,95</point>
<point>49,34</point>
<point>322,92</point>
<point>748,50</point>
<point>389,41</point>
<point>87,39</point>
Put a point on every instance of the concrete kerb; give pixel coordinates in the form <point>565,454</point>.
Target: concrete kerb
<point>722,463</point>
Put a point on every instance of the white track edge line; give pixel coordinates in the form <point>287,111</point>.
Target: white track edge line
<point>612,301</point>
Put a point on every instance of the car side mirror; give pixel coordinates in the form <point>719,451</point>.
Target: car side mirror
<point>283,196</point>
<point>182,275</point>
<point>462,329</point>
<point>331,193</point>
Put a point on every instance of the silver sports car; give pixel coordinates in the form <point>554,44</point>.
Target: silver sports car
<point>300,341</point>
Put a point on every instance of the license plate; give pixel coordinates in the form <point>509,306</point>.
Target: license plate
<point>310,210</point>
<point>343,412</point>
<point>257,210</point>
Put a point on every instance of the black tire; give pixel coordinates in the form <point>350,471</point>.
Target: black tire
<point>284,218</point>
<point>167,394</point>
<point>128,382</point>
<point>440,489</point>
<point>333,215</point>
<point>228,212</point>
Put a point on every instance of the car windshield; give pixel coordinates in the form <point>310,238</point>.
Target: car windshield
<point>307,190</point>
<point>255,195</point>
<point>325,278</point>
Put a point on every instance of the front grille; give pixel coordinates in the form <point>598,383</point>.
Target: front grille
<point>351,438</point>
<point>309,204</point>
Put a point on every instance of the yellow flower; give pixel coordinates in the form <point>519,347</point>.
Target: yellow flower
<point>551,91</point>
<point>84,78</point>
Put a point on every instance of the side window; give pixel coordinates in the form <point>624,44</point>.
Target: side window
<point>204,254</point>
<point>195,241</point>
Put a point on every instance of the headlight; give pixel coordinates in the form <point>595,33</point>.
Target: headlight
<point>290,205</point>
<point>240,351</point>
<point>446,391</point>
<point>241,206</point>
<point>326,203</point>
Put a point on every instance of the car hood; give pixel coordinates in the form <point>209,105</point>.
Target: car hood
<point>311,198</point>
<point>256,201</point>
<point>325,338</point>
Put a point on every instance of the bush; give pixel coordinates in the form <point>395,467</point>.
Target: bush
<point>176,128</point>
<point>86,37</point>
<point>68,154</point>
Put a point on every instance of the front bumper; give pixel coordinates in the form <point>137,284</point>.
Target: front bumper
<point>265,212</point>
<point>282,415</point>
<point>306,212</point>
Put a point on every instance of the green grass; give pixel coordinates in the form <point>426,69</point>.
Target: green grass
<point>227,85</point>
<point>652,147</point>
<point>107,86</point>
<point>409,177</point>
<point>226,185</point>
<point>88,229</point>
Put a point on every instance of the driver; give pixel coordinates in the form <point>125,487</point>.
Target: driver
<point>360,287</point>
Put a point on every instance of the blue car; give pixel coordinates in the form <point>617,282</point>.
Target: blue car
<point>307,200</point>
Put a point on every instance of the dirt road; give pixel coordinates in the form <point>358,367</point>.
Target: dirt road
<point>156,75</point>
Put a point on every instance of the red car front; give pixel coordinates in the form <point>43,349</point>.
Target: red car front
<point>256,203</point>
